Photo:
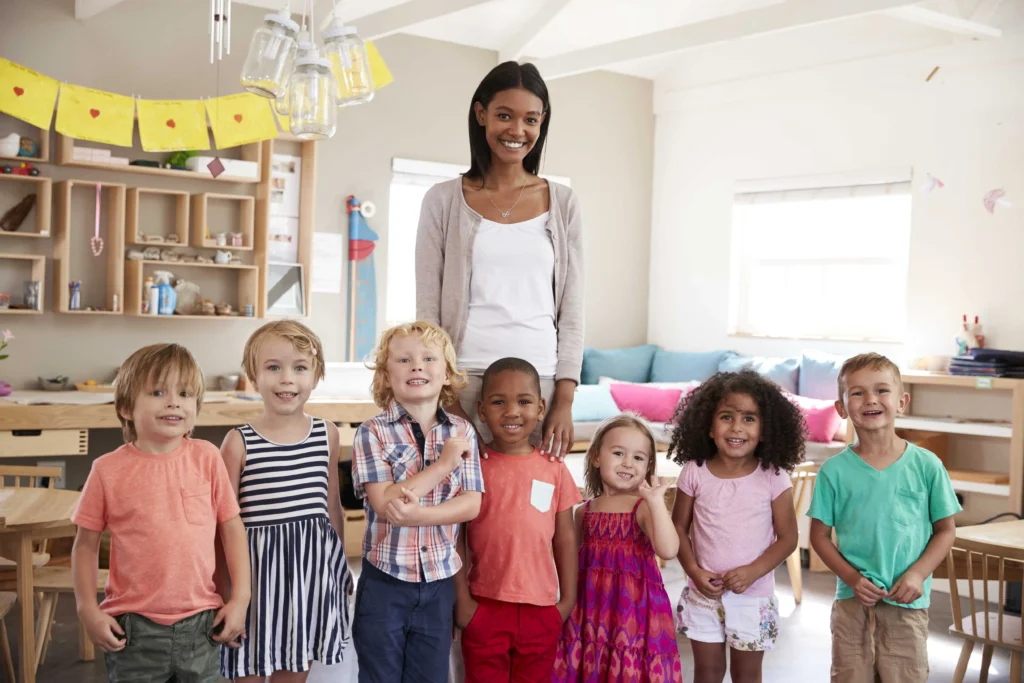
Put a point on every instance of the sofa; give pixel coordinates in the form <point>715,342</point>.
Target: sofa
<point>651,381</point>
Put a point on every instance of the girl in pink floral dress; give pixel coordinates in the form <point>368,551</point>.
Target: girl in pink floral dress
<point>622,628</point>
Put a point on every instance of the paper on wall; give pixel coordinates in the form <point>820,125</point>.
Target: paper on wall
<point>328,262</point>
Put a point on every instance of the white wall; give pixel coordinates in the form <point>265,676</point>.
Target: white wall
<point>716,123</point>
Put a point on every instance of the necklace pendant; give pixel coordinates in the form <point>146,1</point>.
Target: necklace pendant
<point>504,214</point>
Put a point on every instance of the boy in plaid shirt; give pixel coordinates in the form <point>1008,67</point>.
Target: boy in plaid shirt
<point>417,469</point>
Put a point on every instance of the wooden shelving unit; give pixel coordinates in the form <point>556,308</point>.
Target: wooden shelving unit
<point>248,282</point>
<point>43,136</point>
<point>65,157</point>
<point>38,265</point>
<point>43,189</point>
<point>135,198</point>
<point>1008,483</point>
<point>200,220</point>
<point>113,236</point>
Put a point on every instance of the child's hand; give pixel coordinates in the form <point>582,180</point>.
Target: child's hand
<point>740,578</point>
<point>404,511</point>
<point>229,624</point>
<point>565,608</point>
<point>464,611</point>
<point>653,493</point>
<point>103,630</point>
<point>866,592</point>
<point>708,583</point>
<point>456,449</point>
<point>907,588</point>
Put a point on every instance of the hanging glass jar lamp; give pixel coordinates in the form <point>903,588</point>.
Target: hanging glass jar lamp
<point>305,46</point>
<point>271,56</point>
<point>312,98</point>
<point>351,67</point>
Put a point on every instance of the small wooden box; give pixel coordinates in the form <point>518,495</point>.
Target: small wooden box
<point>35,442</point>
<point>936,442</point>
<point>355,529</point>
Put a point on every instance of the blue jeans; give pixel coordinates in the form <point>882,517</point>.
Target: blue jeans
<point>402,631</point>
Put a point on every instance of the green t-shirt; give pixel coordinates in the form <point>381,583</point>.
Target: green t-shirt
<point>883,519</point>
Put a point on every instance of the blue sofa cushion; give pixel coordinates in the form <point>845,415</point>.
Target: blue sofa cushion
<point>818,374</point>
<point>783,371</point>
<point>630,365</point>
<point>593,403</point>
<point>686,366</point>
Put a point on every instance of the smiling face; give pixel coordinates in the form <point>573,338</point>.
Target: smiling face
<point>873,398</point>
<point>416,371</point>
<point>624,459</point>
<point>736,426</point>
<point>512,122</point>
<point>511,407</point>
<point>163,412</point>
<point>284,376</point>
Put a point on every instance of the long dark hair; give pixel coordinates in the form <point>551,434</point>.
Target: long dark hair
<point>506,76</point>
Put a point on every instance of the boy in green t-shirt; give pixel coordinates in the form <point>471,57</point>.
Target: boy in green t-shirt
<point>891,505</point>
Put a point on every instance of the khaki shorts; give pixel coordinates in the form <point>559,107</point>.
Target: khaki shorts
<point>883,644</point>
<point>184,651</point>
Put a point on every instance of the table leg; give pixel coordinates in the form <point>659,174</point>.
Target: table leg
<point>27,604</point>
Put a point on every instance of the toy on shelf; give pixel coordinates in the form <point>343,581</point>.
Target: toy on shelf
<point>12,220</point>
<point>9,145</point>
<point>96,242</point>
<point>28,148</point>
<point>22,168</point>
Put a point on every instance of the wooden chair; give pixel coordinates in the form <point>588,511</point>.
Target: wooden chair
<point>51,582</point>
<point>803,477</point>
<point>7,600</point>
<point>29,477</point>
<point>981,564</point>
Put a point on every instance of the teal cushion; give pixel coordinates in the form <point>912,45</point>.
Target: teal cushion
<point>629,365</point>
<point>686,366</point>
<point>593,403</point>
<point>783,371</point>
<point>818,374</point>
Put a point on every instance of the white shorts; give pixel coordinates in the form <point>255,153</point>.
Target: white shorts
<point>744,622</point>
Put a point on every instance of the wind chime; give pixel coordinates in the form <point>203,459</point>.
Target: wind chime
<point>220,28</point>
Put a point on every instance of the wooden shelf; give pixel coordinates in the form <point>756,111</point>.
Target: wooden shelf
<point>201,212</point>
<point>43,136</point>
<point>969,382</point>
<point>135,197</point>
<point>65,157</point>
<point>44,199</point>
<point>181,264</point>
<point>1001,430</point>
<point>113,210</point>
<point>969,486</point>
<point>248,280</point>
<point>212,244</point>
<point>38,264</point>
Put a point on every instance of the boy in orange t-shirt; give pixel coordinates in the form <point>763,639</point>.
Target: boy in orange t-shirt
<point>164,498</point>
<point>512,597</point>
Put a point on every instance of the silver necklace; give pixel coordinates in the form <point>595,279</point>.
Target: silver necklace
<point>504,214</point>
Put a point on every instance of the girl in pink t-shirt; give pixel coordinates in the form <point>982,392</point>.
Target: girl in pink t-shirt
<point>738,437</point>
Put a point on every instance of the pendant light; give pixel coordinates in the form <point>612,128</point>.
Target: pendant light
<point>312,98</point>
<point>305,46</point>
<point>271,55</point>
<point>351,67</point>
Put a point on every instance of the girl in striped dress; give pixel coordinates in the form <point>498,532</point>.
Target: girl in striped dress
<point>284,467</point>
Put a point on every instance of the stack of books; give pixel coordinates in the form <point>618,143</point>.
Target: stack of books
<point>989,363</point>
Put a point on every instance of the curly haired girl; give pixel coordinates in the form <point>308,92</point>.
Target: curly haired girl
<point>737,437</point>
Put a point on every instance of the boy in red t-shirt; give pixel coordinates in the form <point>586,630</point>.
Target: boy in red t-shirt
<point>165,498</point>
<point>512,597</point>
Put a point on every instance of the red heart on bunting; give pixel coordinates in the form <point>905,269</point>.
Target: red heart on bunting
<point>19,91</point>
<point>238,117</point>
<point>94,112</point>
<point>170,123</point>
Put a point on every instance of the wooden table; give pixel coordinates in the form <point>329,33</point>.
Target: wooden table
<point>1003,534</point>
<point>25,512</point>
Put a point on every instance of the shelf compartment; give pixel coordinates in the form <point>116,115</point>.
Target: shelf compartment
<point>113,214</point>
<point>43,188</point>
<point>37,264</point>
<point>949,425</point>
<point>246,283</point>
<point>27,130</point>
<point>202,214</point>
<point>137,196</point>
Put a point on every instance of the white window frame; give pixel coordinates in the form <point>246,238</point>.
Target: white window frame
<point>743,264</point>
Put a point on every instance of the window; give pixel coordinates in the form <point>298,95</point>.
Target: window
<point>410,180</point>
<point>827,263</point>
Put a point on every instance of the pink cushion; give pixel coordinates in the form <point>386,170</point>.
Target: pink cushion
<point>652,403</point>
<point>820,415</point>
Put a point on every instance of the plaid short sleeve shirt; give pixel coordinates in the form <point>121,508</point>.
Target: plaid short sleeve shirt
<point>393,447</point>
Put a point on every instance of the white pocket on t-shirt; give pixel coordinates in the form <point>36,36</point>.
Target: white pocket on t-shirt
<point>540,495</point>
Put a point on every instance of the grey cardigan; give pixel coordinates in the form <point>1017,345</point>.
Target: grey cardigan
<point>444,249</point>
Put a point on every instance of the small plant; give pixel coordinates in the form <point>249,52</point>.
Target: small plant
<point>5,337</point>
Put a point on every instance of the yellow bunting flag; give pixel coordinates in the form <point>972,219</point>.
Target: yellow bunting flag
<point>378,69</point>
<point>173,125</point>
<point>27,95</point>
<point>95,115</point>
<point>241,119</point>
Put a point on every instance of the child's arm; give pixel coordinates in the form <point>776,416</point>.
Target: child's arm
<point>786,539</point>
<point>910,586</point>
<point>232,450</point>
<point>100,626</point>
<point>236,555</point>
<point>655,521</point>
<point>866,592</point>
<point>407,511</point>
<point>465,605</point>
<point>708,583</point>
<point>566,563</point>
<point>333,485</point>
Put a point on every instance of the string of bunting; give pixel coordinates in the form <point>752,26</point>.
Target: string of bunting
<point>164,125</point>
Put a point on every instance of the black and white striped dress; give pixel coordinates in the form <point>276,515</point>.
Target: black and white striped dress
<point>299,606</point>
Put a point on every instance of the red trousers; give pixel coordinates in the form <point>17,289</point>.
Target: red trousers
<point>509,642</point>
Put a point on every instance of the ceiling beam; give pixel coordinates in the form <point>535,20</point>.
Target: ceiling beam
<point>394,19</point>
<point>986,11</point>
<point>86,9</point>
<point>531,28</point>
<point>945,22</point>
<point>774,18</point>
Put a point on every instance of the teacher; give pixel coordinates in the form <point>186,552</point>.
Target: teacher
<point>499,254</point>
